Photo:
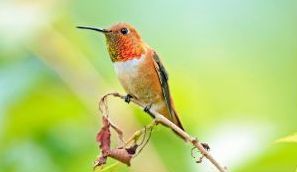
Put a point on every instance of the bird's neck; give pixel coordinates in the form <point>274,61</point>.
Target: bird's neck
<point>126,50</point>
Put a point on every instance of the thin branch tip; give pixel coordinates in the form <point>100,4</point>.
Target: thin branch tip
<point>203,148</point>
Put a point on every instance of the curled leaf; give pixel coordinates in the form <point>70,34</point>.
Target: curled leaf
<point>121,155</point>
<point>103,138</point>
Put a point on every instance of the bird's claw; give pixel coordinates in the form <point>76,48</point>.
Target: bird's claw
<point>147,108</point>
<point>128,98</point>
<point>205,146</point>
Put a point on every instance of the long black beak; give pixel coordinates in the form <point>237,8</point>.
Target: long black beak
<point>95,29</point>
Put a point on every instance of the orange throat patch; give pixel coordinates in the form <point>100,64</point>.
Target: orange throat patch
<point>125,49</point>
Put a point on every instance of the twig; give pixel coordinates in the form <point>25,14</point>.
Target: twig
<point>161,119</point>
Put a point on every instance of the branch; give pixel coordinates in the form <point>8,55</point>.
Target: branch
<point>158,118</point>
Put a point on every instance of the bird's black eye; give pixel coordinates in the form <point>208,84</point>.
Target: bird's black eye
<point>124,31</point>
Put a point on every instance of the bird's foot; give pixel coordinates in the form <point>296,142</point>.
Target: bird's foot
<point>128,98</point>
<point>147,108</point>
<point>205,146</point>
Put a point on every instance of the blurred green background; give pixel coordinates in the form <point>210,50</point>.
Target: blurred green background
<point>232,68</point>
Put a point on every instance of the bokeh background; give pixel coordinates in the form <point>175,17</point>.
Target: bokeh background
<point>232,67</point>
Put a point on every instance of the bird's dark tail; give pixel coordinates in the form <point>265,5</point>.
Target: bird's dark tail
<point>173,117</point>
<point>177,122</point>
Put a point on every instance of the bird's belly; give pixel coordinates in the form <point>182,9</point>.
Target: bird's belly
<point>139,80</point>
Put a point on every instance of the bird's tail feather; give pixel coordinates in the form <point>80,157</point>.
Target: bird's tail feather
<point>177,122</point>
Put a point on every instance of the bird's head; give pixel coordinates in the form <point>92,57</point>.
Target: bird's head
<point>123,41</point>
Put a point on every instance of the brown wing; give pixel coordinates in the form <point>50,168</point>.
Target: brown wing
<point>163,77</point>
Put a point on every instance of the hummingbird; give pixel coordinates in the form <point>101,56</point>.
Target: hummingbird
<point>139,69</point>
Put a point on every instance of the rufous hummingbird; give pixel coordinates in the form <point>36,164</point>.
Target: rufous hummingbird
<point>139,69</point>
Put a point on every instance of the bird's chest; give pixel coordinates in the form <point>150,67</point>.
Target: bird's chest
<point>136,77</point>
<point>129,69</point>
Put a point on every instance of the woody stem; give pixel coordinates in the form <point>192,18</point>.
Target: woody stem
<point>188,138</point>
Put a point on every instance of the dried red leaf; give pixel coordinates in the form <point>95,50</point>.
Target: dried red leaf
<point>121,155</point>
<point>132,150</point>
<point>103,138</point>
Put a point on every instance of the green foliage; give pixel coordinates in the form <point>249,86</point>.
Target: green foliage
<point>232,73</point>
<point>288,139</point>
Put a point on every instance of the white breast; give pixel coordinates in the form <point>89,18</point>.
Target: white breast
<point>129,75</point>
<point>128,67</point>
